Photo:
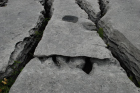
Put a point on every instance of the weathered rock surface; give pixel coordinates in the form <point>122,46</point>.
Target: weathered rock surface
<point>91,7</point>
<point>122,32</point>
<point>3,3</point>
<point>120,22</point>
<point>72,58</point>
<point>70,33</point>
<point>16,19</point>
<point>46,77</point>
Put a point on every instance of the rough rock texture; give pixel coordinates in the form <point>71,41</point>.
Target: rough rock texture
<point>120,22</point>
<point>91,7</point>
<point>70,33</point>
<point>46,77</point>
<point>16,19</point>
<point>122,32</point>
<point>72,58</point>
<point>3,3</point>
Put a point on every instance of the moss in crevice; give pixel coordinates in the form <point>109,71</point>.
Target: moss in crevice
<point>100,32</point>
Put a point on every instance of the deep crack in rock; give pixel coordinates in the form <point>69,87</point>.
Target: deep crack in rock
<point>84,63</point>
<point>126,56</point>
<point>24,50</point>
<point>3,3</point>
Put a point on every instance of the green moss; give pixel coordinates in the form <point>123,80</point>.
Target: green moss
<point>37,33</point>
<point>17,61</point>
<point>47,19</point>
<point>100,32</point>
<point>10,81</point>
<point>131,78</point>
<point>139,84</point>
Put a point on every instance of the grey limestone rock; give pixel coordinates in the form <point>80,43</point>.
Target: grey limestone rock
<point>70,33</point>
<point>46,77</point>
<point>122,32</point>
<point>16,19</point>
<point>71,57</point>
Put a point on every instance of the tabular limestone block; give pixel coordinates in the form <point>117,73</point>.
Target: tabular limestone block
<point>121,28</point>
<point>46,77</point>
<point>16,19</point>
<point>70,33</point>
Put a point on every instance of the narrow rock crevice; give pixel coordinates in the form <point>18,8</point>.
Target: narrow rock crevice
<point>88,66</point>
<point>3,3</point>
<point>24,50</point>
<point>82,62</point>
<point>127,53</point>
<point>83,4</point>
<point>103,4</point>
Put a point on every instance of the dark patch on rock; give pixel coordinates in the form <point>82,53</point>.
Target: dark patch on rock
<point>70,18</point>
<point>3,3</point>
<point>89,26</point>
<point>88,66</point>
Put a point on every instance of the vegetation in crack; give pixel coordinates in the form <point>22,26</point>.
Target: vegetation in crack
<point>6,83</point>
<point>118,51</point>
<point>123,57</point>
<point>23,53</point>
<point>100,32</point>
<point>129,73</point>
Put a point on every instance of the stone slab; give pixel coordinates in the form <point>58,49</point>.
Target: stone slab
<point>70,33</point>
<point>46,77</point>
<point>121,27</point>
<point>16,19</point>
<point>91,7</point>
<point>123,15</point>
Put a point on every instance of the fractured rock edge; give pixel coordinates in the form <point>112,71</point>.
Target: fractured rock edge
<point>41,67</point>
<point>44,75</point>
<point>88,61</point>
<point>126,53</point>
<point>60,77</point>
<point>71,33</point>
<point>24,50</point>
<point>3,2</point>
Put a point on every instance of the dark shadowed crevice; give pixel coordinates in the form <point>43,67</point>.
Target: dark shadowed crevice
<point>103,7</point>
<point>119,52</point>
<point>124,58</point>
<point>88,65</point>
<point>3,3</point>
<point>55,60</point>
<point>24,50</point>
<point>129,73</point>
